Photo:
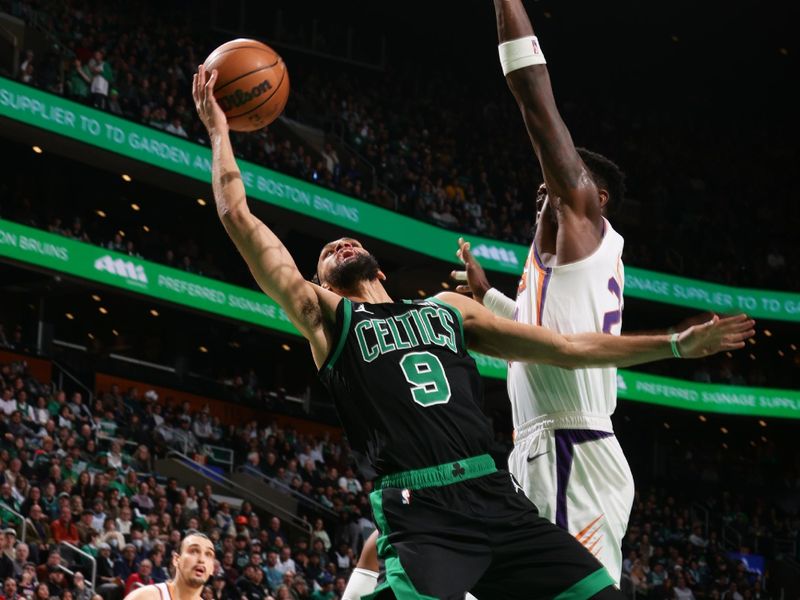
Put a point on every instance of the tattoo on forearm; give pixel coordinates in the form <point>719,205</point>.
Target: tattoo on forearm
<point>229,177</point>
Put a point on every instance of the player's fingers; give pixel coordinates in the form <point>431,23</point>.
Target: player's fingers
<point>463,289</point>
<point>747,325</point>
<point>458,275</point>
<point>201,84</point>
<point>736,324</point>
<point>735,319</point>
<point>739,338</point>
<point>466,254</point>
<point>733,346</point>
<point>209,87</point>
<point>741,318</point>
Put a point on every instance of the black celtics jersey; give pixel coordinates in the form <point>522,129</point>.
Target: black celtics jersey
<point>407,392</point>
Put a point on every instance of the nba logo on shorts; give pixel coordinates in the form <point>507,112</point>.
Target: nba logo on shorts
<point>406,495</point>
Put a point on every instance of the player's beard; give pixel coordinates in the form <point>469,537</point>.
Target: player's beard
<point>196,582</point>
<point>347,275</point>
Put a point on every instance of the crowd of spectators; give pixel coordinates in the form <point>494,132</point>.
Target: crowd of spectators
<point>711,509</point>
<point>84,475</point>
<point>479,179</point>
<point>667,554</point>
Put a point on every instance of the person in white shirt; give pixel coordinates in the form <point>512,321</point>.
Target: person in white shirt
<point>682,591</point>
<point>349,483</point>
<point>115,456</point>
<point>8,404</point>
<point>100,84</point>
<point>39,414</point>
<point>285,561</point>
<point>202,427</point>
<point>124,521</point>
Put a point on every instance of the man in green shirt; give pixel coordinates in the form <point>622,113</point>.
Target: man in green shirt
<point>78,82</point>
<point>326,590</point>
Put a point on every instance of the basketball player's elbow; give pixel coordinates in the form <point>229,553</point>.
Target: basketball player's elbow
<point>235,212</point>
<point>236,220</point>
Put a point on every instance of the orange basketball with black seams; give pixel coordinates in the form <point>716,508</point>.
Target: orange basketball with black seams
<point>252,83</point>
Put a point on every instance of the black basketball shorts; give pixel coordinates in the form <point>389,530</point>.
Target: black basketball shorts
<point>465,526</point>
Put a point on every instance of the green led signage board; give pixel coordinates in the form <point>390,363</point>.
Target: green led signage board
<point>96,264</point>
<point>109,132</point>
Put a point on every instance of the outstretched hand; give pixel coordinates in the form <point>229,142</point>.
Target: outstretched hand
<point>207,108</point>
<point>473,273</point>
<point>716,335</point>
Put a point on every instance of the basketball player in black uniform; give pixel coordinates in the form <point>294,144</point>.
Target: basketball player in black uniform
<point>408,396</point>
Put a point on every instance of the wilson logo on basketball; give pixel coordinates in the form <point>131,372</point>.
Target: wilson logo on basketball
<point>240,97</point>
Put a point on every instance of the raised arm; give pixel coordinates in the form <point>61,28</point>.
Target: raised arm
<point>510,340</point>
<point>568,182</point>
<point>270,262</point>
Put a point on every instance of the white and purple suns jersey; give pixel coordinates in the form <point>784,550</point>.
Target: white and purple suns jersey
<point>579,297</point>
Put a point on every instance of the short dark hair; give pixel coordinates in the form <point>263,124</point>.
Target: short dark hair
<point>191,533</point>
<point>606,175</point>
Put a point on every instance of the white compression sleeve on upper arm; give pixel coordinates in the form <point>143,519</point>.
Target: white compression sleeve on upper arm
<point>361,583</point>
<point>500,304</point>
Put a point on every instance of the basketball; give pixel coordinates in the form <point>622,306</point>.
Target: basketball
<point>252,85</point>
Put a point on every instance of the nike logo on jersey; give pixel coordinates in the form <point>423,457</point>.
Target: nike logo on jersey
<point>363,309</point>
<point>535,456</point>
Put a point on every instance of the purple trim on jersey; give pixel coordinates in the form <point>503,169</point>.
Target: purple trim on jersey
<point>566,440</point>
<point>544,296</point>
<point>537,259</point>
<point>547,272</point>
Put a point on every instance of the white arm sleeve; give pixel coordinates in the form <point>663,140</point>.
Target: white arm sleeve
<point>500,304</point>
<point>361,583</point>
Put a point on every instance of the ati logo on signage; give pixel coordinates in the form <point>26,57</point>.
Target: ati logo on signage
<point>494,253</point>
<point>124,268</point>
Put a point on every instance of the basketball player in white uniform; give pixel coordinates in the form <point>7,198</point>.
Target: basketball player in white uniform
<point>193,564</point>
<point>565,454</point>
